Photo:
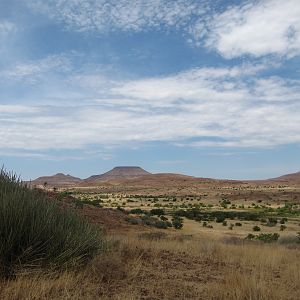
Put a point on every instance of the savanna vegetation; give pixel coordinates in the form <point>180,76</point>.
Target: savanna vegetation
<point>49,250</point>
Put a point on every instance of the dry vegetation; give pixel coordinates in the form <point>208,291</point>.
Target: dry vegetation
<point>209,258</point>
<point>159,266</point>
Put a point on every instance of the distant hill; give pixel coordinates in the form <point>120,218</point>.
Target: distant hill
<point>136,178</point>
<point>291,178</point>
<point>57,180</point>
<point>118,173</point>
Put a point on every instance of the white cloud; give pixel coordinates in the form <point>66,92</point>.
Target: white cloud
<point>257,28</point>
<point>124,15</point>
<point>17,109</point>
<point>221,107</point>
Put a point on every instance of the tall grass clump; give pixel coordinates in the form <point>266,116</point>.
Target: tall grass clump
<point>36,233</point>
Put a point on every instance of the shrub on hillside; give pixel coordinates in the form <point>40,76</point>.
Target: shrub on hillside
<point>36,232</point>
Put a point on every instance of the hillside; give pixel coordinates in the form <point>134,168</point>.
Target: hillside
<point>289,178</point>
<point>57,180</point>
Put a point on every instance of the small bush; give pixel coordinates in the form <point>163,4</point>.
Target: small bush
<point>271,222</point>
<point>268,237</point>
<point>220,219</point>
<point>264,237</point>
<point>35,232</point>
<point>256,228</point>
<point>238,224</point>
<point>150,221</point>
<point>136,211</point>
<point>157,212</point>
<point>177,222</point>
<point>250,236</point>
<point>161,224</point>
<point>283,220</point>
<point>282,227</point>
<point>163,218</point>
<point>224,223</point>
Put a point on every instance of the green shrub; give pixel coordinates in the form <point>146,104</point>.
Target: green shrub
<point>177,222</point>
<point>250,236</point>
<point>220,219</point>
<point>150,221</point>
<point>268,237</point>
<point>161,224</point>
<point>157,212</point>
<point>271,222</point>
<point>238,224</point>
<point>283,220</point>
<point>256,228</point>
<point>264,237</point>
<point>282,227</point>
<point>35,232</point>
<point>163,218</point>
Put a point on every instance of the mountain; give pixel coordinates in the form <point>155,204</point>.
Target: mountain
<point>58,180</point>
<point>291,178</point>
<point>136,178</point>
<point>118,173</point>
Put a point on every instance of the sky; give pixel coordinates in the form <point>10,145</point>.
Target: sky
<point>205,88</point>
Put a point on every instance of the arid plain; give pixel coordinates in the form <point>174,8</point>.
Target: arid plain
<point>174,236</point>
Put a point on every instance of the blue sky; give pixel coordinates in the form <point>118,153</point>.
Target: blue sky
<point>206,88</point>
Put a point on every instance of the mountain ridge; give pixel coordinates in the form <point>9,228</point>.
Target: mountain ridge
<point>127,174</point>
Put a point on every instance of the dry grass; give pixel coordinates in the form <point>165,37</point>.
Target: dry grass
<point>171,267</point>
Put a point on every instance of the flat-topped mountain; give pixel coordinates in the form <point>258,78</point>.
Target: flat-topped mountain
<point>57,180</point>
<point>118,173</point>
